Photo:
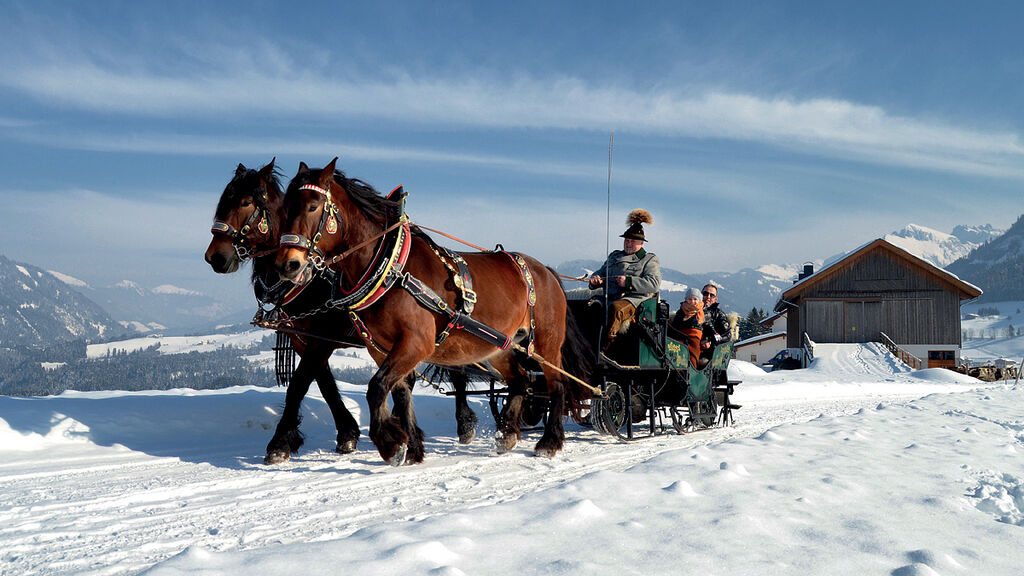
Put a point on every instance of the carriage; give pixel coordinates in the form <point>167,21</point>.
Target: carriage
<point>648,380</point>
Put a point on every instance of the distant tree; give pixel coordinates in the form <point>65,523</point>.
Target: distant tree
<point>988,311</point>
<point>751,325</point>
<point>1010,331</point>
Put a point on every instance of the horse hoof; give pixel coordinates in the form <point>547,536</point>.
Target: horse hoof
<point>398,458</point>
<point>276,457</point>
<point>467,436</point>
<point>504,442</point>
<point>545,452</point>
<point>346,447</point>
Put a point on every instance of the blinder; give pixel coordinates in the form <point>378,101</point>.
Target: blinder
<point>240,238</point>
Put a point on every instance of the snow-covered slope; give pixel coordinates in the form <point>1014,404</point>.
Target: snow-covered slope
<point>936,247</point>
<point>37,308</point>
<point>838,462</point>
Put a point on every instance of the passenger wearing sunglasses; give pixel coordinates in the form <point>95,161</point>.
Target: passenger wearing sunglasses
<point>714,317</point>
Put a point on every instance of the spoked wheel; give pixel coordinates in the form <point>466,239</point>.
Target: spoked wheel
<point>609,414</point>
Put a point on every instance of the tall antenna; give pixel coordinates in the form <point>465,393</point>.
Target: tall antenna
<point>608,220</point>
<point>608,217</point>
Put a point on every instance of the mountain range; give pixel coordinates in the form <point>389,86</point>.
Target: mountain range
<point>940,248</point>
<point>997,266</point>
<point>38,308</point>
<point>46,306</point>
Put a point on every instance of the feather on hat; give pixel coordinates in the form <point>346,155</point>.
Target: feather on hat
<point>636,219</point>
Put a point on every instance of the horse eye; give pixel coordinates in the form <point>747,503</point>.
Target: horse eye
<point>246,203</point>
<point>312,208</point>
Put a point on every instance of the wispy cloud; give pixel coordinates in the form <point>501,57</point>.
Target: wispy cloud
<point>216,81</point>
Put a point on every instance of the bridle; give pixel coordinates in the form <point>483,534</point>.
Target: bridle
<point>329,221</point>
<point>240,238</point>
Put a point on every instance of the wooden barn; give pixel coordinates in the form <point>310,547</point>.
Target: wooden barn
<point>880,293</point>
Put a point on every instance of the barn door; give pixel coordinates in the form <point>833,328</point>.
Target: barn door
<point>824,320</point>
<point>863,322</point>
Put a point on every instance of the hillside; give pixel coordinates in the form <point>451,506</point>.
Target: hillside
<point>997,267</point>
<point>37,308</point>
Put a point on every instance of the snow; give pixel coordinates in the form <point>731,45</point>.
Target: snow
<point>856,465</point>
<point>178,344</point>
<point>782,271</point>
<point>175,290</point>
<point>987,338</point>
<point>69,280</point>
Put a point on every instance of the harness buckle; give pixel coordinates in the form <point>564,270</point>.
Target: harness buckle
<point>469,296</point>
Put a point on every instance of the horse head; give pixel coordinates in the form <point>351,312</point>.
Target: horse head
<point>247,217</point>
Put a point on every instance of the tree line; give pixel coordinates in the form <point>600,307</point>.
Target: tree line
<point>48,370</point>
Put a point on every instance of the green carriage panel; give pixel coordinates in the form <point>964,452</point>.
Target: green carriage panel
<point>723,352</point>
<point>678,354</point>
<point>648,310</point>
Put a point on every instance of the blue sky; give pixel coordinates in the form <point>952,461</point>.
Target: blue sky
<point>773,132</point>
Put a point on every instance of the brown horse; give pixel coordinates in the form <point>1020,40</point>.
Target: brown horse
<point>339,225</point>
<point>247,225</point>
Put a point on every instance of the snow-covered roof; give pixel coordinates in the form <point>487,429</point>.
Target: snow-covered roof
<point>758,339</point>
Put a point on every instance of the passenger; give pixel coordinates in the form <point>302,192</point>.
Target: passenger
<point>632,275</point>
<point>720,332</point>
<point>688,324</point>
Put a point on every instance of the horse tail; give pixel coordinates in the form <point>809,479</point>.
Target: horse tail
<point>577,359</point>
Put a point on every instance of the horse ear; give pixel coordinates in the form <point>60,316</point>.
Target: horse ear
<point>327,174</point>
<point>303,168</point>
<point>268,170</point>
<point>240,170</point>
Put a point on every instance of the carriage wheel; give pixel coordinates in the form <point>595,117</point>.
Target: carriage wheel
<point>609,414</point>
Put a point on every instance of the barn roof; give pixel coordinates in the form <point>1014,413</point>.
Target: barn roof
<point>759,338</point>
<point>966,290</point>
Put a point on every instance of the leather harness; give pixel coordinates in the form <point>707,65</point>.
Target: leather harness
<point>387,269</point>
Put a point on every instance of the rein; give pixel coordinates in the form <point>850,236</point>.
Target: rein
<point>474,246</point>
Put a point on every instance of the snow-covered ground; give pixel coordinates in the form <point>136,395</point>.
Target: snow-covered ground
<point>853,466</point>
<point>987,336</point>
<point>179,344</point>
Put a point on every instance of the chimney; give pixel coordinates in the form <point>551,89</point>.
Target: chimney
<point>808,270</point>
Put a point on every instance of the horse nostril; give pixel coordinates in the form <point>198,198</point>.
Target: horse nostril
<point>292,266</point>
<point>216,260</point>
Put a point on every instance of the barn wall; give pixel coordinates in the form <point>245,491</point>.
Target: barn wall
<point>880,293</point>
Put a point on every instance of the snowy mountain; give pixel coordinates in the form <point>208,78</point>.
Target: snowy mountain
<point>164,307</point>
<point>997,267</point>
<point>38,308</point>
<point>940,248</point>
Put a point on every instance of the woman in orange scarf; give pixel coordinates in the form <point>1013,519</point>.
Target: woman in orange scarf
<point>687,324</point>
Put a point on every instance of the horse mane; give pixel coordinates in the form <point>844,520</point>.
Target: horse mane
<point>248,183</point>
<point>366,198</point>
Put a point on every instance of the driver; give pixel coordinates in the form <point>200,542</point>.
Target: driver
<point>631,275</point>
